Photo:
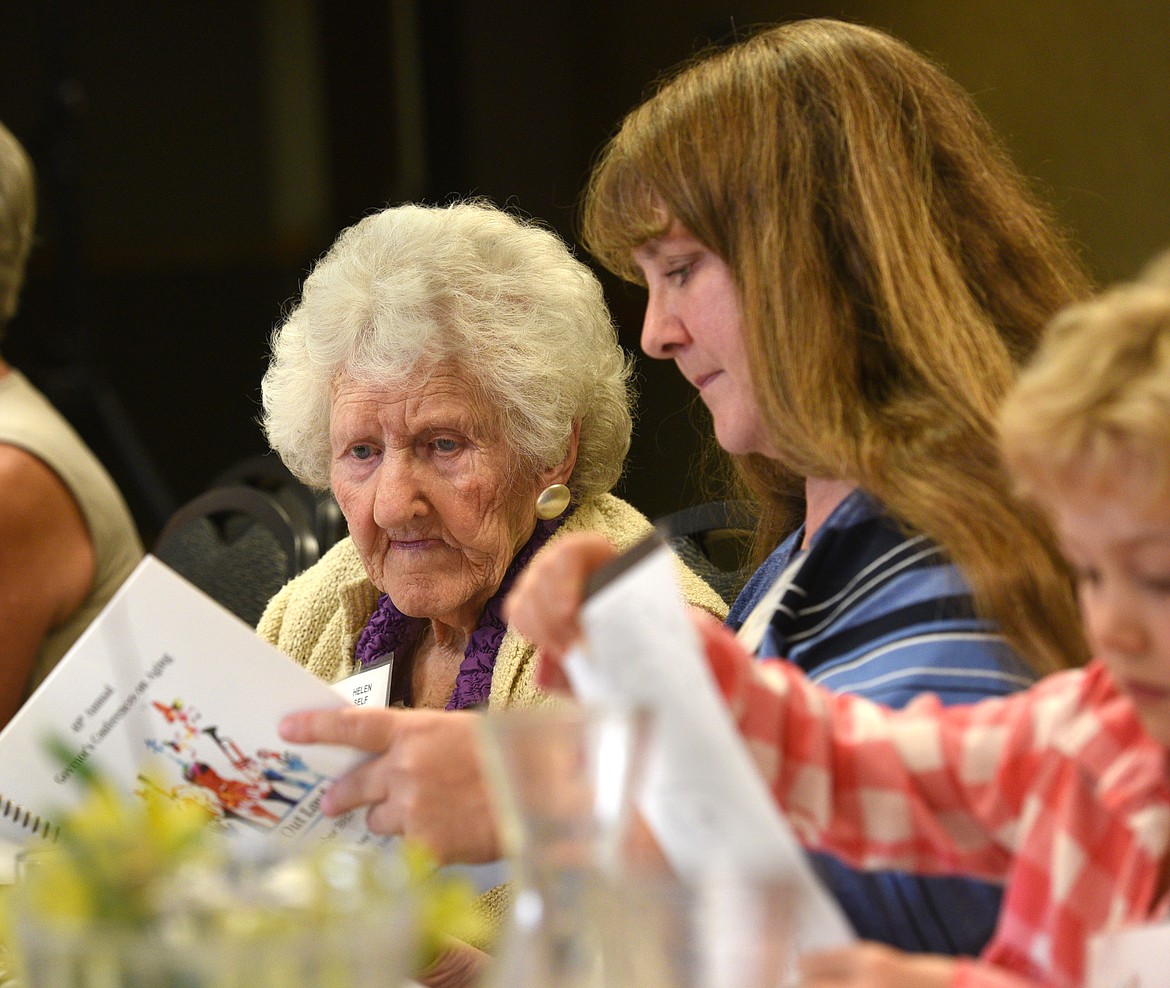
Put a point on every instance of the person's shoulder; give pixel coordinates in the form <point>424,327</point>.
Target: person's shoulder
<point>624,525</point>
<point>31,494</point>
<point>334,593</point>
<point>45,537</point>
<point>337,573</point>
<point>1082,714</point>
<point>1089,688</point>
<point>617,520</point>
<point>761,580</point>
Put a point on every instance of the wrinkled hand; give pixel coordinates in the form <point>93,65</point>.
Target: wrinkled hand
<point>461,966</point>
<point>545,603</point>
<point>424,781</point>
<point>874,965</point>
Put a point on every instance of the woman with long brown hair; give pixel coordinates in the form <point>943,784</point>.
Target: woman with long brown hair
<point>843,260</point>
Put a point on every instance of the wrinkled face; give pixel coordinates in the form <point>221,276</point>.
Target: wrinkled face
<point>430,494</point>
<point>1119,545</point>
<point>693,318</point>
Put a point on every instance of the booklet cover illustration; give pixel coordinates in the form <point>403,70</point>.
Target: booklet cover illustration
<point>202,764</point>
<point>169,691</point>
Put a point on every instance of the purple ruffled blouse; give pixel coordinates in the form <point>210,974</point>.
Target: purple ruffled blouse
<point>389,629</point>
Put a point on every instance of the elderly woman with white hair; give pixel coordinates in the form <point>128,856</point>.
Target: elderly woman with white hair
<point>453,375</point>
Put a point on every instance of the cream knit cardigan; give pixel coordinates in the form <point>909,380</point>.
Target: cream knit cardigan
<point>316,617</point>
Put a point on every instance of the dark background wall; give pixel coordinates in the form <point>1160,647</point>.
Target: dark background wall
<point>195,159</point>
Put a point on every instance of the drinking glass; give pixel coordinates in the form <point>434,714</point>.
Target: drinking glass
<point>564,777</point>
<point>717,929</point>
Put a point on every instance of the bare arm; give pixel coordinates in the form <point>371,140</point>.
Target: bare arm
<point>47,565</point>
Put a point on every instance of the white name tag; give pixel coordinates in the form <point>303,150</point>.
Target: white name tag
<point>370,687</point>
<point>1134,957</point>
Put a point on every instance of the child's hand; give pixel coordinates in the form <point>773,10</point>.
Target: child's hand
<point>545,603</point>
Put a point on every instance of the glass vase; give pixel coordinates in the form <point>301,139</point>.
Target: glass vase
<point>343,920</point>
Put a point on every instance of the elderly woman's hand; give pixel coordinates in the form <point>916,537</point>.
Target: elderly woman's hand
<point>425,779</point>
<point>874,965</point>
<point>545,602</point>
<point>461,966</point>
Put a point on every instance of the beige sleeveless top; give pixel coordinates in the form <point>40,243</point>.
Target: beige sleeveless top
<point>29,421</point>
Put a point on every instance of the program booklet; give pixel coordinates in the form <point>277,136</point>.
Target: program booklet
<point>169,692</point>
<point>702,794</point>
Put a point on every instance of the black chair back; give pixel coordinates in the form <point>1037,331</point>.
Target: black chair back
<point>239,544</point>
<point>713,539</point>
<point>267,472</point>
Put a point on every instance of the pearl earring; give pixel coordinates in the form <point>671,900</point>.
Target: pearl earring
<point>552,501</point>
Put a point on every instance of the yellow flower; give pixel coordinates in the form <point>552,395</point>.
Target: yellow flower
<point>149,864</point>
<point>114,854</point>
<point>446,903</point>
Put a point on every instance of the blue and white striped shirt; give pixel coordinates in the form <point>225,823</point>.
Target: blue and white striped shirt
<point>874,610</point>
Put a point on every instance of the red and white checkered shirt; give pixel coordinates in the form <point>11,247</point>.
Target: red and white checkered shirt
<point>1055,792</point>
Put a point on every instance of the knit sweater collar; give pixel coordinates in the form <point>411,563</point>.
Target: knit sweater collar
<point>388,630</point>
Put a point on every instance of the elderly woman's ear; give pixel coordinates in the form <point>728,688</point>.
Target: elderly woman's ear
<point>564,470</point>
<point>555,493</point>
<point>561,473</point>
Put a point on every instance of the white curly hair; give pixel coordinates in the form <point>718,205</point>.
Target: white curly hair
<point>18,209</point>
<point>498,297</point>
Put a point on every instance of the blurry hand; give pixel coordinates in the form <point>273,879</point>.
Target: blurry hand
<point>545,603</point>
<point>424,781</point>
<point>874,965</point>
<point>458,967</point>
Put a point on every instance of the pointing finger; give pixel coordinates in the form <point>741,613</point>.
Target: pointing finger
<point>367,729</point>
